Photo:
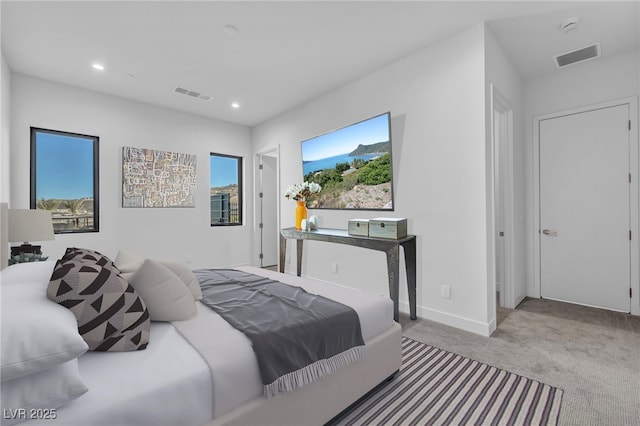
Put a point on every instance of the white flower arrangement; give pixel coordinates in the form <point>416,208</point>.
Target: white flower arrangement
<point>302,191</point>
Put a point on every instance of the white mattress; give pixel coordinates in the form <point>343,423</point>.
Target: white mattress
<point>166,384</point>
<point>169,383</point>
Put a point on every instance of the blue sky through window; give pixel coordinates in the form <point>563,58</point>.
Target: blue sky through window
<point>223,171</point>
<point>64,166</point>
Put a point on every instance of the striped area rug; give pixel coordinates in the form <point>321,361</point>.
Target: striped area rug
<point>436,387</point>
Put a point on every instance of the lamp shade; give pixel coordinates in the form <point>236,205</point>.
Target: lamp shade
<point>30,225</point>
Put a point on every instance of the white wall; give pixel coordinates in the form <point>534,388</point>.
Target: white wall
<point>5,126</point>
<point>595,81</point>
<point>170,233</point>
<point>599,80</point>
<point>4,152</point>
<point>437,103</point>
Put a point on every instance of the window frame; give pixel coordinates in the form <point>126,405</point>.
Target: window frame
<point>239,160</point>
<point>95,141</point>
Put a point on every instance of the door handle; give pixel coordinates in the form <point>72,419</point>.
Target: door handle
<point>550,233</point>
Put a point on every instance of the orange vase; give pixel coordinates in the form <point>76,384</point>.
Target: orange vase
<point>301,213</point>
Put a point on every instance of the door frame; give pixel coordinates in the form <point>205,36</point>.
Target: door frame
<point>504,149</point>
<point>634,196</point>
<point>257,187</point>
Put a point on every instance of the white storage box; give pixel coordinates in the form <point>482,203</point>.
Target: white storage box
<point>388,227</point>
<point>359,227</point>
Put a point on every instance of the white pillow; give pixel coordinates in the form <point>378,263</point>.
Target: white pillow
<point>36,332</point>
<point>166,296</point>
<point>186,275</point>
<point>28,272</point>
<point>128,262</point>
<point>47,389</point>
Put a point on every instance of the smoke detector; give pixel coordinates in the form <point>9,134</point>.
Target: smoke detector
<point>569,25</point>
<point>192,93</point>
<point>231,30</point>
<point>578,55</point>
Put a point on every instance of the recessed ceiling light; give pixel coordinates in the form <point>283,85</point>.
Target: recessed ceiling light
<point>98,67</point>
<point>231,30</point>
<point>235,105</point>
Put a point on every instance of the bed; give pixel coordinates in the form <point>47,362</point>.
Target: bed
<point>170,383</point>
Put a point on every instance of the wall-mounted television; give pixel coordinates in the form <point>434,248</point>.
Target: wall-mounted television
<point>353,165</point>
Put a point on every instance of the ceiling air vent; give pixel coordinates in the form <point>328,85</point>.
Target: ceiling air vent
<point>192,93</point>
<point>575,56</point>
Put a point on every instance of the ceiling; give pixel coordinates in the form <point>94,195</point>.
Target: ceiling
<point>271,56</point>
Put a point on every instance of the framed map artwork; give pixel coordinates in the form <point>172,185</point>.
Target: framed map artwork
<point>152,178</point>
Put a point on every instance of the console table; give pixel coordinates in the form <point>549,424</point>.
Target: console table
<point>390,246</point>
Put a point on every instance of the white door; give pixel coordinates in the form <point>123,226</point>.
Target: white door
<point>499,132</point>
<point>584,208</point>
<point>268,200</point>
<point>512,290</point>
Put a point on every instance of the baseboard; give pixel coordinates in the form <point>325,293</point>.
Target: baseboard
<point>473,326</point>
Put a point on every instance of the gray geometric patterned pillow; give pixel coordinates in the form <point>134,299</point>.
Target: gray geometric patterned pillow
<point>111,315</point>
<point>87,256</point>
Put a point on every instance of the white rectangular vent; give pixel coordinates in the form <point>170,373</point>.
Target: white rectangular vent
<point>579,55</point>
<point>192,93</point>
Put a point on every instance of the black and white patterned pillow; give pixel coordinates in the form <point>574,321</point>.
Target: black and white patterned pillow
<point>87,256</point>
<point>111,315</point>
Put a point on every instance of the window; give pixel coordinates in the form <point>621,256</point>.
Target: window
<point>64,179</point>
<point>226,190</point>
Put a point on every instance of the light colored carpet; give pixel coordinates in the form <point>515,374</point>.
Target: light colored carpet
<point>592,354</point>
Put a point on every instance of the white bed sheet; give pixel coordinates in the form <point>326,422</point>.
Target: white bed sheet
<point>166,384</point>
<point>235,373</point>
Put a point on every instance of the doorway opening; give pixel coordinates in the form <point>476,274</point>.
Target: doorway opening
<point>267,211</point>
<point>503,202</point>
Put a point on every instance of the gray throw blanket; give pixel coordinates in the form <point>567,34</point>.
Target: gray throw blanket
<point>297,337</point>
